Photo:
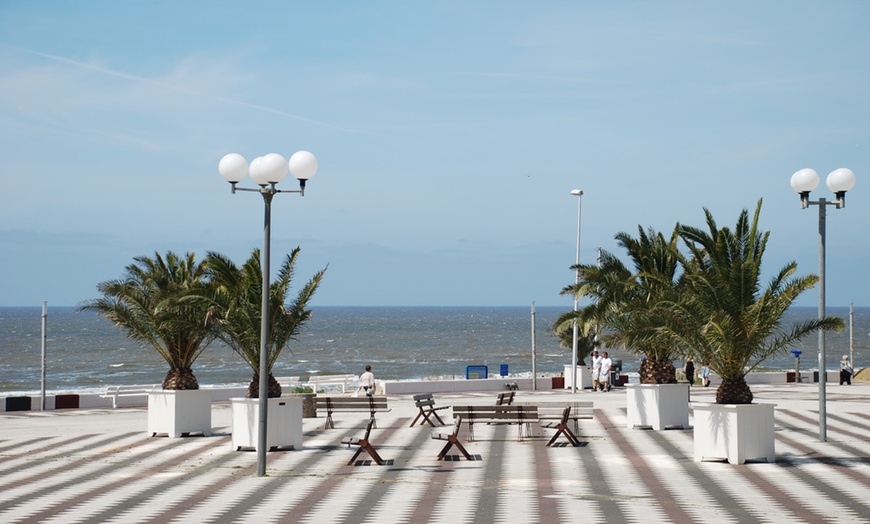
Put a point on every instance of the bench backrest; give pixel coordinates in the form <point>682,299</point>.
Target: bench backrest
<point>424,400</point>
<point>344,382</point>
<point>565,413</point>
<point>331,379</point>
<point>505,399</point>
<point>457,423</point>
<point>496,413</point>
<point>131,389</point>
<point>579,409</point>
<point>369,429</point>
<point>351,403</point>
<point>288,382</point>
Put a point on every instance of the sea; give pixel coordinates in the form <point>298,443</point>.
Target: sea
<point>85,352</point>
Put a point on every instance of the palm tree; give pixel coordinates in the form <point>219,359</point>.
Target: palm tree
<point>633,305</point>
<point>729,318</point>
<point>154,303</point>
<point>563,329</point>
<point>236,305</point>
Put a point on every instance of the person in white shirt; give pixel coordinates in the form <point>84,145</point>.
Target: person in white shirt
<point>367,382</point>
<point>846,371</point>
<point>604,374</point>
<point>596,370</point>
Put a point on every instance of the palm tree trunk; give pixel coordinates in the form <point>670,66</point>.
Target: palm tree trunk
<point>657,372</point>
<point>254,387</point>
<point>180,378</point>
<point>734,391</point>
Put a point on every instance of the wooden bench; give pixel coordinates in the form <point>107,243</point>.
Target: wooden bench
<point>562,428</point>
<point>369,405</point>
<point>505,399</point>
<point>288,383</point>
<point>552,411</point>
<point>322,382</point>
<point>115,392</point>
<point>364,445</point>
<point>426,404</point>
<point>519,415</point>
<point>452,440</point>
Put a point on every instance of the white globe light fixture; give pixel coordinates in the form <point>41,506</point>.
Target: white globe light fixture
<point>233,167</point>
<point>266,171</point>
<point>303,165</point>
<point>839,182</point>
<point>804,181</point>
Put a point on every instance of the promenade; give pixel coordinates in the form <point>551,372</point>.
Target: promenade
<point>98,465</point>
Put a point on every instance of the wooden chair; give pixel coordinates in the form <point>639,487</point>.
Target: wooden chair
<point>562,428</point>
<point>426,404</point>
<point>452,440</point>
<point>364,445</point>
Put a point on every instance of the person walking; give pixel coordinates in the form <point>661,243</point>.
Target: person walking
<point>846,371</point>
<point>604,373</point>
<point>705,374</point>
<point>367,381</point>
<point>596,370</point>
<point>690,371</point>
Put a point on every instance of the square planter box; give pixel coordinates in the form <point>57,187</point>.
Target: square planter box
<point>658,406</point>
<point>584,377</point>
<point>283,423</point>
<point>179,412</point>
<point>734,432</point>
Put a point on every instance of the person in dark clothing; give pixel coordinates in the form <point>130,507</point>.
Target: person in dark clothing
<point>690,371</point>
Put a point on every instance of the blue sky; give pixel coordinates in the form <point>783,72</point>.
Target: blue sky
<point>449,135</point>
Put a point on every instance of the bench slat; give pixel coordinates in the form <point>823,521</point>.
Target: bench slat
<point>114,392</point>
<point>369,405</point>
<point>505,414</point>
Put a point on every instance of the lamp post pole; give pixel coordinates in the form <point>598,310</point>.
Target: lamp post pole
<point>839,182</point>
<point>266,171</point>
<point>579,194</point>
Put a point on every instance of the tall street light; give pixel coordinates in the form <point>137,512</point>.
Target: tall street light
<point>839,181</point>
<point>579,194</point>
<point>266,171</point>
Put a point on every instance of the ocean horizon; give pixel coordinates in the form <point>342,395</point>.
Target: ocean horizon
<point>85,352</point>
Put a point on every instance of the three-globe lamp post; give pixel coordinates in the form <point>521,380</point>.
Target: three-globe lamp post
<point>266,171</point>
<point>839,182</point>
<point>576,336</point>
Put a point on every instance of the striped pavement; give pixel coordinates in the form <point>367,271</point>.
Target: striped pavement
<point>98,465</point>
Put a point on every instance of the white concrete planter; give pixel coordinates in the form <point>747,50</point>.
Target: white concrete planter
<point>734,432</point>
<point>584,376</point>
<point>283,424</point>
<point>179,412</point>
<point>658,406</point>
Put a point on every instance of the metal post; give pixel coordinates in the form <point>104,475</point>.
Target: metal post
<point>534,352</point>
<point>264,337</point>
<point>852,334</point>
<point>576,334</point>
<point>44,344</point>
<point>823,414</point>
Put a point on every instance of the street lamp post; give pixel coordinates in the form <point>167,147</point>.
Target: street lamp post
<point>266,171</point>
<point>579,194</point>
<point>803,182</point>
